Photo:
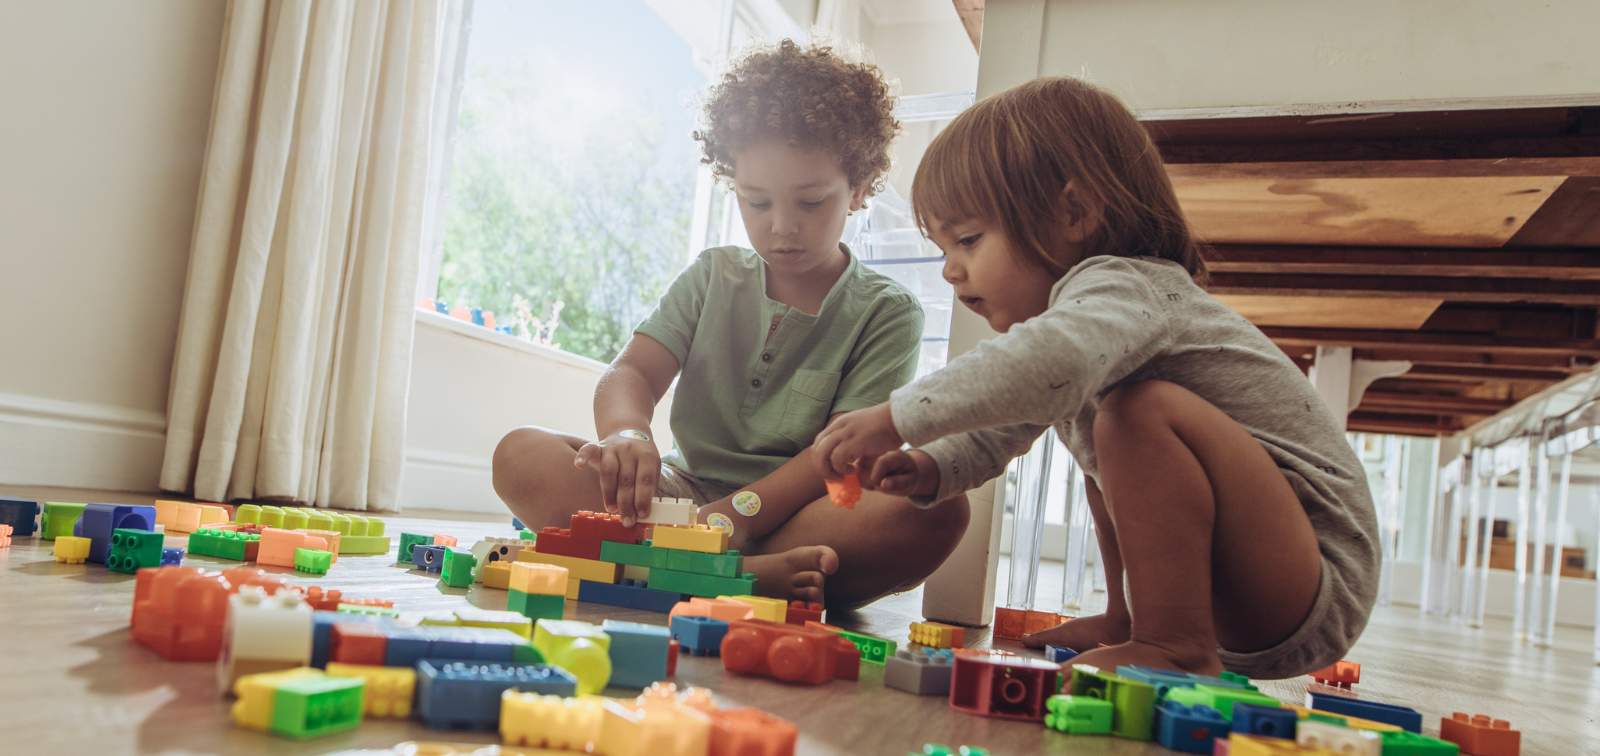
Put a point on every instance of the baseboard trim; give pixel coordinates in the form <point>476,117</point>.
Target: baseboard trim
<point>53,442</point>
<point>449,481</point>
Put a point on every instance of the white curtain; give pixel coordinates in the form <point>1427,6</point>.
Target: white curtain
<point>294,345</point>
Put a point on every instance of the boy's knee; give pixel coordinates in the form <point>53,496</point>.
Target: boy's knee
<point>516,459</point>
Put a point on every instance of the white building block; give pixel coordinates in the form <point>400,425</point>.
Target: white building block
<point>263,633</point>
<point>670,511</point>
<point>1345,741</point>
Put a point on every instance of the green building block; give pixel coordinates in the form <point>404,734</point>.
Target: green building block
<point>1237,678</point>
<point>1221,699</point>
<point>1402,743</point>
<point>634,554</point>
<point>354,544</point>
<point>536,606</point>
<point>528,535</point>
<point>132,549</point>
<point>456,571</point>
<point>314,561</point>
<point>728,564</point>
<point>295,518</point>
<point>1078,715</point>
<point>58,519</point>
<point>248,514</point>
<point>314,705</point>
<point>526,654</point>
<point>940,749</point>
<point>222,544</point>
<point>709,586</point>
<point>1133,703</point>
<point>370,611</point>
<point>874,650</point>
<point>408,540</point>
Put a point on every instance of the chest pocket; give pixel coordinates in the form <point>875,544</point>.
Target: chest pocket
<point>805,409</point>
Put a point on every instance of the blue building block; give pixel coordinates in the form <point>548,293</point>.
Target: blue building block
<point>406,646</point>
<point>1190,729</point>
<point>171,556</point>
<point>465,694</point>
<point>476,643</point>
<point>477,316</point>
<point>639,653</point>
<point>701,636</point>
<point>1059,654</point>
<point>442,307</point>
<point>516,523</point>
<point>1405,718</point>
<point>99,520</point>
<point>20,514</point>
<point>428,558</point>
<point>631,594</point>
<point>1264,721</point>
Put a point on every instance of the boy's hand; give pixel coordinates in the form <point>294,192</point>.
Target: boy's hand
<point>627,466</point>
<point>904,473</point>
<point>854,438</point>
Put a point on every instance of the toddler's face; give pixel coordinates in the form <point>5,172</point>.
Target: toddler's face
<point>990,277</point>
<point>794,202</point>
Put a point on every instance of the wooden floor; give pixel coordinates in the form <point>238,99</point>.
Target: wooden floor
<point>73,681</point>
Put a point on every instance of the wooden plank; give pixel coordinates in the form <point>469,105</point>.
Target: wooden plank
<point>1570,217</point>
<point>1438,403</point>
<point>1566,263</point>
<point>971,13</point>
<point>1430,342</point>
<point>1353,169</point>
<point>1332,312</point>
<point>1370,423</point>
<point>1509,290</point>
<point>1539,119</point>
<point>1503,373</point>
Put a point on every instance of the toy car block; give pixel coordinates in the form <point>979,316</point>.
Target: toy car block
<point>750,732</point>
<point>389,690</point>
<point>765,608</point>
<point>1059,654</point>
<point>577,647</point>
<point>512,621</point>
<point>702,538</point>
<point>277,546</point>
<point>495,575</point>
<point>456,571</point>
<point>937,635</point>
<point>638,653</point>
<point>577,569</point>
<point>256,695</point>
<point>666,510</point>
<point>358,643</point>
<point>801,612</point>
<point>1188,729</point>
<point>540,578</point>
<point>223,544</point>
<point>548,721</point>
<point>1336,739</point>
<point>5,536</point>
<point>669,729</point>
<point>21,514</point>
<point>488,550</point>
<point>635,554</point>
<point>628,593</point>
<point>1480,734</point>
<point>1264,721</point>
<point>1005,687</point>
<point>536,606</point>
<point>428,558</point>
<point>691,584</point>
<point>58,519</point>
<point>700,636</point>
<point>1078,715</point>
<point>99,521</point>
<point>729,563</point>
<point>1340,674</point>
<point>408,541</point>
<point>133,549</point>
<point>722,609</point>
<point>1404,717</point>
<point>788,653</point>
<point>922,672</point>
<point>71,549</point>
<point>440,539</point>
<point>313,561</point>
<point>466,694</point>
<point>263,633</point>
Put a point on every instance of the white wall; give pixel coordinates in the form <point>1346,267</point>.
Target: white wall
<point>107,106</point>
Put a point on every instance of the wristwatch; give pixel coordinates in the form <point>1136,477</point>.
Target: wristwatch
<point>633,435</point>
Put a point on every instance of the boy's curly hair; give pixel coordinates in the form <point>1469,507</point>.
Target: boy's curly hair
<point>808,96</point>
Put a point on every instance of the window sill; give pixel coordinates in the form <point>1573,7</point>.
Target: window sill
<point>446,323</point>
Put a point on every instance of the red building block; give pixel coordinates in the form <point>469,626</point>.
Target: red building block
<point>553,540</point>
<point>801,612</point>
<point>357,643</point>
<point>323,601</point>
<point>789,653</point>
<point>673,649</point>
<point>178,612</point>
<point>750,732</point>
<point>1001,686</point>
<point>1341,674</point>
<point>1012,624</point>
<point>582,539</point>
<point>1481,735</point>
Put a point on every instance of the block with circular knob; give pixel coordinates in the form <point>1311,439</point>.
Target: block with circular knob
<point>578,647</point>
<point>133,549</point>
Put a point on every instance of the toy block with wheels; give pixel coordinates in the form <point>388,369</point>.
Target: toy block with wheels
<point>787,653</point>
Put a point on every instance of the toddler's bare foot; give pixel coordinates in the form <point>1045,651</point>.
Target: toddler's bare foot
<point>796,574</point>
<point>1199,660</point>
<point>1081,634</point>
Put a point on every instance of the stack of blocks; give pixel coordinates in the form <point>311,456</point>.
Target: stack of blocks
<point>346,533</point>
<point>537,591</point>
<point>99,522</point>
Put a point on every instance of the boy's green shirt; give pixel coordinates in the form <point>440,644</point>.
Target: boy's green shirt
<point>745,403</point>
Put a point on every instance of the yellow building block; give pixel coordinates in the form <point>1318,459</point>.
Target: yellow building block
<point>936,634</point>
<point>545,721</point>
<point>474,617</point>
<point>591,570</point>
<point>1252,745</point>
<point>540,578</point>
<point>579,648</point>
<point>256,694</point>
<point>766,608</point>
<point>702,538</point>
<point>495,575</point>
<point>661,729</point>
<point>445,748</point>
<point>389,689</point>
<point>1354,723</point>
<point>72,549</point>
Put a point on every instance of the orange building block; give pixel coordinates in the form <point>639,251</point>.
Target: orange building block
<point>1012,624</point>
<point>726,610</point>
<point>751,732</point>
<point>1340,674</point>
<point>5,536</point>
<point>801,612</point>
<point>278,545</point>
<point>1481,735</point>
<point>846,491</point>
<point>189,516</point>
<point>178,612</point>
<point>788,653</point>
<point>440,539</point>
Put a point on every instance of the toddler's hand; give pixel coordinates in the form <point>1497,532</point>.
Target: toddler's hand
<point>854,437</point>
<point>904,473</point>
<point>627,468</point>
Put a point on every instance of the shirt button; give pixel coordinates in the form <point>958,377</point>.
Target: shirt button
<point>766,356</point>
<point>755,382</point>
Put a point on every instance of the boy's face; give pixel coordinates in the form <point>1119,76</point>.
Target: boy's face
<point>794,202</point>
<point>989,275</point>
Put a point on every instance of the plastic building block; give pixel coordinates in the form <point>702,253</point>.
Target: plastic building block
<point>1479,734</point>
<point>673,581</point>
<point>1340,674</point>
<point>332,538</point>
<point>1255,745</point>
<point>671,511</point>
<point>263,633</point>
<point>630,594</point>
<point>922,672</point>
<point>440,539</point>
<point>937,634</point>
<point>457,569</point>
<point>188,516</point>
<point>533,577</point>
<point>179,612</point>
<point>638,653</point>
<point>133,549</point>
<point>358,643</point>
<point>765,608</point>
<point>1005,687</point>
<point>516,523</point>
<point>1221,699</point>
<point>71,549</point>
<point>801,612</point>
<point>637,554</point>
<point>495,575</point>
<point>528,535</point>
<point>750,732</point>
<point>577,647</point>
<point>577,569</point>
<point>1341,740</point>
<point>20,514</point>
<point>536,606</point>
<point>940,749</point>
<point>466,694</point>
<point>1405,718</point>
<point>586,532</point>
<point>1059,654</point>
<point>247,513</point>
<point>257,695</point>
<point>493,550</point>
<point>702,538</point>
<point>874,650</point>
<point>278,546</point>
<point>1188,729</point>
<point>99,521</point>
<point>367,544</point>
<point>788,653</point>
<point>389,689</point>
<point>729,563</point>
<point>313,706</point>
<point>1132,701</point>
<point>58,519</point>
<point>172,556</point>
<point>549,721</point>
<point>408,541</point>
<point>5,536</point>
<point>721,609</point>
<point>314,561</point>
<point>844,492</point>
<point>1264,721</point>
<point>700,636</point>
<point>428,558</point>
<point>1078,715</point>
<point>511,621</point>
<point>240,547</point>
<point>667,729</point>
<point>1012,624</point>
<point>1402,743</point>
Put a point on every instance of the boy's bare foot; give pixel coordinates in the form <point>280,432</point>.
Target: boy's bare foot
<point>796,574</point>
<point>1081,634</point>
<point>1201,661</point>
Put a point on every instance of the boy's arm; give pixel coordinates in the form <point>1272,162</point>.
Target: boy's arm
<point>781,494</point>
<point>629,390</point>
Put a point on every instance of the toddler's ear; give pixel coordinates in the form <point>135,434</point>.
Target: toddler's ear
<point>1080,212</point>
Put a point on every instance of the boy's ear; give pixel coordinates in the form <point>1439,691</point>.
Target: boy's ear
<point>858,197</point>
<point>1081,213</point>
